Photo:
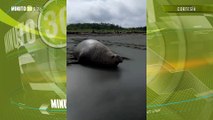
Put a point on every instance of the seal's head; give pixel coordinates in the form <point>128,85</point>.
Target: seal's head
<point>112,59</point>
<point>117,59</point>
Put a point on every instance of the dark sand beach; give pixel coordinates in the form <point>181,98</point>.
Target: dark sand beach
<point>108,94</point>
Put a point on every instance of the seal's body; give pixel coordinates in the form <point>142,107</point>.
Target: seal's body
<point>94,52</point>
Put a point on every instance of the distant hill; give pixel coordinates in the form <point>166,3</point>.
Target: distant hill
<point>102,28</point>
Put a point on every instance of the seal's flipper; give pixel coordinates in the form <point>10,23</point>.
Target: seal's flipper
<point>125,58</point>
<point>72,62</point>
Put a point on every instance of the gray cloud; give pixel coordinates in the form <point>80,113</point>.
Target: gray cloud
<point>126,13</point>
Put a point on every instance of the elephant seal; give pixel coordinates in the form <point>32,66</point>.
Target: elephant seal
<point>93,52</point>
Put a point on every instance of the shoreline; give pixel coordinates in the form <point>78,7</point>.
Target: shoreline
<point>106,33</point>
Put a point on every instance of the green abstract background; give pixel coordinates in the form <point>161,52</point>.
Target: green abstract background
<point>179,61</point>
<point>31,71</point>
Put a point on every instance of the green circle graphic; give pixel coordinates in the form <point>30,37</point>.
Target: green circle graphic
<point>52,23</point>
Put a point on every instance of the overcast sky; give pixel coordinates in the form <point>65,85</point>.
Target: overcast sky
<point>126,13</point>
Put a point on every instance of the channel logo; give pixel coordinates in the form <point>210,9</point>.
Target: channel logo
<point>27,8</point>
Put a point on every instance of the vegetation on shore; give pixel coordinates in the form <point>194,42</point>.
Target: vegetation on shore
<point>104,28</point>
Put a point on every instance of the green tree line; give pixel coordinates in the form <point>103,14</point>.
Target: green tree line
<point>102,28</point>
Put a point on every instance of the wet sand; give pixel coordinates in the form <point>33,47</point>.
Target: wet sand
<point>109,94</point>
